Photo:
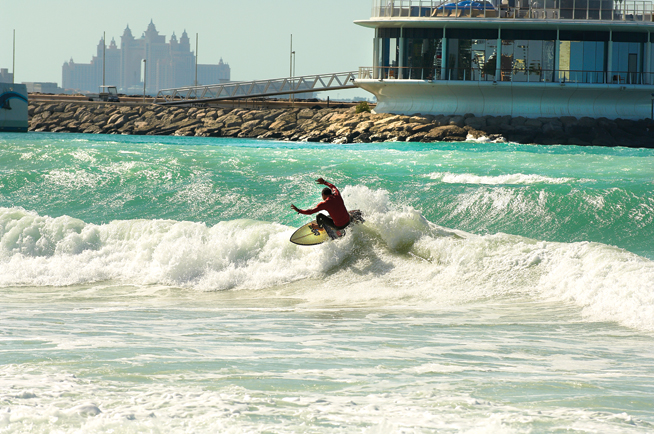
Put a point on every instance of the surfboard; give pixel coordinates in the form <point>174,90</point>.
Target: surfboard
<point>310,234</point>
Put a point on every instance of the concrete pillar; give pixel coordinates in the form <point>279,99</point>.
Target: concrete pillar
<point>609,61</point>
<point>647,78</point>
<point>498,56</point>
<point>400,72</point>
<point>444,57</point>
<point>557,60</point>
<point>375,60</point>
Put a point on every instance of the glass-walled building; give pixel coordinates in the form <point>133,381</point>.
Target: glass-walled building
<point>522,57</point>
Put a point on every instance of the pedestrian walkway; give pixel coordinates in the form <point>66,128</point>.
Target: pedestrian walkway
<point>257,88</point>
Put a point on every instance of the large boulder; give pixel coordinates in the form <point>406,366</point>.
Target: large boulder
<point>232,121</point>
<point>449,131</point>
<point>458,121</point>
<point>253,115</point>
<point>289,117</point>
<point>475,123</point>
<point>280,126</point>
<point>306,114</point>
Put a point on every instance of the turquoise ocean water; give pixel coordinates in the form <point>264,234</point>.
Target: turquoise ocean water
<point>147,285</point>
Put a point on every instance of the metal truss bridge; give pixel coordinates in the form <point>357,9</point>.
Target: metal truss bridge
<point>256,89</point>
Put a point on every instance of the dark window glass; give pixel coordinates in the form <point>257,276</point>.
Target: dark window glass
<point>423,33</point>
<point>471,33</point>
<point>422,58</point>
<point>472,59</point>
<point>629,37</point>
<point>529,35</point>
<point>389,33</point>
<point>577,35</point>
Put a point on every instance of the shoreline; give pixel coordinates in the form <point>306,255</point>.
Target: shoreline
<point>331,125</point>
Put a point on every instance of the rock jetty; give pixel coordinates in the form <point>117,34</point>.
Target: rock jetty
<point>331,125</point>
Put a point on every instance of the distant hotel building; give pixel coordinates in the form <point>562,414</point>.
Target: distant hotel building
<point>168,65</point>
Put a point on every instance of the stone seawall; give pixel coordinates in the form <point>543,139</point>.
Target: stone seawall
<point>331,125</point>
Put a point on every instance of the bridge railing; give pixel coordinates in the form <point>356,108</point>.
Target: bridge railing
<point>257,88</point>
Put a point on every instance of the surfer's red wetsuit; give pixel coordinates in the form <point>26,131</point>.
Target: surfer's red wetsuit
<point>334,206</point>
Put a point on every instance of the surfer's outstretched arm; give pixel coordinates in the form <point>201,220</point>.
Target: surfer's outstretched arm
<point>307,211</point>
<point>322,206</point>
<point>322,181</point>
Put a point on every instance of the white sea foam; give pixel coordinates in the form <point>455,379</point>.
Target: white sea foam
<point>263,376</point>
<point>84,155</point>
<point>509,179</point>
<point>484,139</point>
<point>72,179</point>
<point>396,257</point>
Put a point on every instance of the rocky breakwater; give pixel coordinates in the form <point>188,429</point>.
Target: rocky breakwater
<point>332,125</point>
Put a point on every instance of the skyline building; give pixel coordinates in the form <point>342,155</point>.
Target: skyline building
<point>6,76</point>
<point>167,64</point>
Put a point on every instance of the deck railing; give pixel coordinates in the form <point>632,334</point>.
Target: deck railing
<point>516,75</point>
<point>603,10</point>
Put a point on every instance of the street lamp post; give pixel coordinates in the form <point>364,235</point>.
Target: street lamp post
<point>104,52</point>
<point>13,66</point>
<point>291,96</point>
<point>145,75</point>
<point>196,59</point>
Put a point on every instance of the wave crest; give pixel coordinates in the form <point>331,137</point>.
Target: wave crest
<point>509,179</point>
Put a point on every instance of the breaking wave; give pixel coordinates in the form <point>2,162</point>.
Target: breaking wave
<point>396,257</point>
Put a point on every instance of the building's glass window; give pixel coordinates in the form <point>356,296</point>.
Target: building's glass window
<point>525,60</point>
<point>422,53</point>
<point>628,56</point>
<point>587,9</point>
<point>522,60</point>
<point>627,62</point>
<point>388,54</point>
<point>582,61</point>
<point>527,55</point>
<point>582,56</point>
<point>472,54</point>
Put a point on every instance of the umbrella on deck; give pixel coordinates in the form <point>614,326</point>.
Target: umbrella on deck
<point>467,5</point>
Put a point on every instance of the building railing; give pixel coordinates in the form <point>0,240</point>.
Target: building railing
<point>516,75</point>
<point>603,10</point>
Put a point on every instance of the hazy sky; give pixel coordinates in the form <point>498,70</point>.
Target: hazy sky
<point>252,36</point>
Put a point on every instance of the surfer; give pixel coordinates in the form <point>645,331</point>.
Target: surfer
<point>332,202</point>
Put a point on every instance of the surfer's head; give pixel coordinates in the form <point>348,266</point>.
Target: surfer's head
<point>326,192</point>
